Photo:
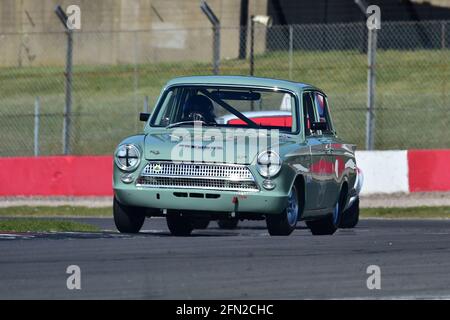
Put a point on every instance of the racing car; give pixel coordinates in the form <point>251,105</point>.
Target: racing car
<point>230,148</point>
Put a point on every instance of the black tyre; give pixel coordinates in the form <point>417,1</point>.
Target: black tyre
<point>200,223</point>
<point>350,218</point>
<point>228,224</point>
<point>128,219</point>
<point>322,227</point>
<point>329,224</point>
<point>284,223</point>
<point>179,224</point>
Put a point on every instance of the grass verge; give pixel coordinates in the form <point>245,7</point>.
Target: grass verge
<point>413,212</point>
<point>69,211</point>
<point>59,211</point>
<point>39,225</point>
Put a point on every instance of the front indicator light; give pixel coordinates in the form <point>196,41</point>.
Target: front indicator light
<point>127,178</point>
<point>268,184</point>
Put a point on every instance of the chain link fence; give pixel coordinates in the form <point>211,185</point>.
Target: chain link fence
<point>115,73</point>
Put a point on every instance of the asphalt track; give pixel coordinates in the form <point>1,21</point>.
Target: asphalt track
<point>413,256</point>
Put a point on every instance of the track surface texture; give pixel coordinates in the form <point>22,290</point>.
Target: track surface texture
<point>246,263</point>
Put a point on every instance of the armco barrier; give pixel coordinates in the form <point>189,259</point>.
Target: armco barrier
<point>384,172</point>
<point>56,176</point>
<point>429,170</point>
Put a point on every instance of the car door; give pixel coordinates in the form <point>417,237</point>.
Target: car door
<point>327,137</point>
<point>315,198</point>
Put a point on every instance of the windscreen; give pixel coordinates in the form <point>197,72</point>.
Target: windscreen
<point>226,106</point>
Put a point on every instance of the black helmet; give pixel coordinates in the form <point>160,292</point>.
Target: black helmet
<point>199,105</point>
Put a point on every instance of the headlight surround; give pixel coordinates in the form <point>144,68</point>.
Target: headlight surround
<point>268,163</point>
<point>127,157</point>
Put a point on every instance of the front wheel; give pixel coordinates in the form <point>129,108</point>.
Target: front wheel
<point>128,219</point>
<point>284,223</point>
<point>179,225</point>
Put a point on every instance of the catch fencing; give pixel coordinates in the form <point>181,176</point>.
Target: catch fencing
<point>116,75</point>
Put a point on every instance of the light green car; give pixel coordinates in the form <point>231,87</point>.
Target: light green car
<point>229,148</point>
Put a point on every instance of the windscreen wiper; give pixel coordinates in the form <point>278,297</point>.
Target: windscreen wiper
<point>190,122</point>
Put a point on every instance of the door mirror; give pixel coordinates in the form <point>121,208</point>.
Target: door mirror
<point>144,116</point>
<point>319,126</point>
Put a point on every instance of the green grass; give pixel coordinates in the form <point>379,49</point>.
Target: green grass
<point>38,225</point>
<point>413,212</point>
<point>59,211</point>
<point>413,95</point>
<point>68,211</point>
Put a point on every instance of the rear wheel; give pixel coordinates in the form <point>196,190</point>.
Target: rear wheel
<point>228,224</point>
<point>329,224</point>
<point>179,224</point>
<point>284,223</point>
<point>350,218</point>
<point>128,219</point>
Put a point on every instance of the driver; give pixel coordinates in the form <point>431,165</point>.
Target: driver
<point>199,108</point>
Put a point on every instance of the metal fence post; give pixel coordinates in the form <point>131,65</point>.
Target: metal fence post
<point>291,49</point>
<point>36,125</point>
<point>370,120</point>
<point>371,53</point>
<point>243,29</point>
<point>146,108</point>
<point>136,77</point>
<point>216,44</point>
<point>68,106</point>
<point>252,46</point>
<point>216,34</point>
<point>68,75</point>
<point>443,35</point>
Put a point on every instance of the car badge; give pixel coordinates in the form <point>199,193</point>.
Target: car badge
<point>157,168</point>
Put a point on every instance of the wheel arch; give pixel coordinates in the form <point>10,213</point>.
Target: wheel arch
<point>300,185</point>
<point>343,192</point>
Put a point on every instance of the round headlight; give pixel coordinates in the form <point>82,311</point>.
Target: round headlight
<point>127,157</point>
<point>268,163</point>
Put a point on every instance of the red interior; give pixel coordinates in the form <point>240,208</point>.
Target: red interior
<point>276,121</point>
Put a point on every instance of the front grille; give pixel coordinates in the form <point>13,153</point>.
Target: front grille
<point>219,171</point>
<point>195,183</point>
<point>197,176</point>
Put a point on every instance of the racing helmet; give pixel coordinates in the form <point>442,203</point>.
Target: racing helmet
<point>199,107</point>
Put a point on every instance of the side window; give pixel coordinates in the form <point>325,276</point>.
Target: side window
<point>308,111</point>
<point>164,113</point>
<point>321,109</point>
